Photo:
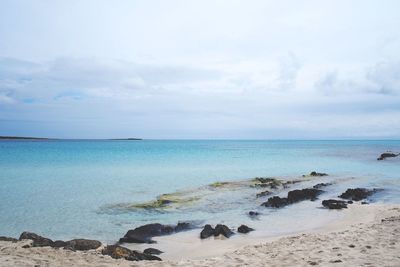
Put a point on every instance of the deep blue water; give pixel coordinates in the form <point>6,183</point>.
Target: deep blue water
<point>62,189</point>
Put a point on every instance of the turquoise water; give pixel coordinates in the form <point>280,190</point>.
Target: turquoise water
<point>64,189</point>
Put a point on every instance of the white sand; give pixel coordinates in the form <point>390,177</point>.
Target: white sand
<point>376,243</point>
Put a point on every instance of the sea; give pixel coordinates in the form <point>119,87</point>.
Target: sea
<point>99,189</point>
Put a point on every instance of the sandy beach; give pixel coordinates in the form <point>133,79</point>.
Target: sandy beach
<point>366,235</point>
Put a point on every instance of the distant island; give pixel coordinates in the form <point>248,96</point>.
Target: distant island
<point>22,138</point>
<point>43,138</point>
<point>126,139</point>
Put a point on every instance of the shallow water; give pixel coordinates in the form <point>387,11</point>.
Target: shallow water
<point>64,189</point>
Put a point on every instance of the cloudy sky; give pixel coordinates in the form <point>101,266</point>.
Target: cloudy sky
<point>200,69</point>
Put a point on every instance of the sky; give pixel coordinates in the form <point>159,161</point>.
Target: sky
<point>208,69</point>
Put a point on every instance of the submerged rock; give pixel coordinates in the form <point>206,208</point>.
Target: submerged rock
<point>244,229</point>
<point>253,213</point>
<point>267,182</point>
<point>6,238</point>
<point>264,193</point>
<point>276,202</point>
<point>82,244</point>
<point>222,229</point>
<point>118,252</point>
<point>387,155</point>
<point>334,204</point>
<point>314,173</point>
<point>207,232</point>
<point>38,241</point>
<point>293,197</point>
<point>358,194</point>
<point>164,201</point>
<point>320,185</point>
<point>152,251</point>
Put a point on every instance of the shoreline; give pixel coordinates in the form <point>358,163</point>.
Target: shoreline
<point>359,223</point>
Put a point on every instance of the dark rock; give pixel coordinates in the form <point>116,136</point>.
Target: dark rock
<point>387,155</point>
<point>118,252</point>
<point>244,229</point>
<point>38,241</point>
<point>314,173</point>
<point>303,194</point>
<point>253,213</point>
<point>264,193</point>
<point>143,234</point>
<point>350,202</point>
<point>222,229</point>
<point>59,244</point>
<point>26,246</point>
<point>318,186</point>
<point>152,251</point>
<point>352,246</point>
<point>357,194</point>
<point>364,203</point>
<point>6,238</point>
<point>276,202</point>
<point>293,197</point>
<point>207,231</point>
<point>138,256</point>
<point>82,244</point>
<point>334,204</point>
<point>183,226</point>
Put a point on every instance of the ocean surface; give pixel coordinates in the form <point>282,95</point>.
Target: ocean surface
<point>92,189</point>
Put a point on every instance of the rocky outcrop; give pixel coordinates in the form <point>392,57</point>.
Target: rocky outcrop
<point>293,197</point>
<point>6,238</point>
<point>244,229</point>
<point>82,244</point>
<point>38,241</point>
<point>152,251</point>
<point>119,252</point>
<point>358,194</point>
<point>75,244</point>
<point>220,229</point>
<point>387,155</point>
<point>144,233</point>
<point>334,204</point>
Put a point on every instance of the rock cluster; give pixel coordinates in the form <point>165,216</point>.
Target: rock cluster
<point>119,252</point>
<point>220,229</point>
<point>293,197</point>
<point>75,244</point>
<point>358,194</point>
